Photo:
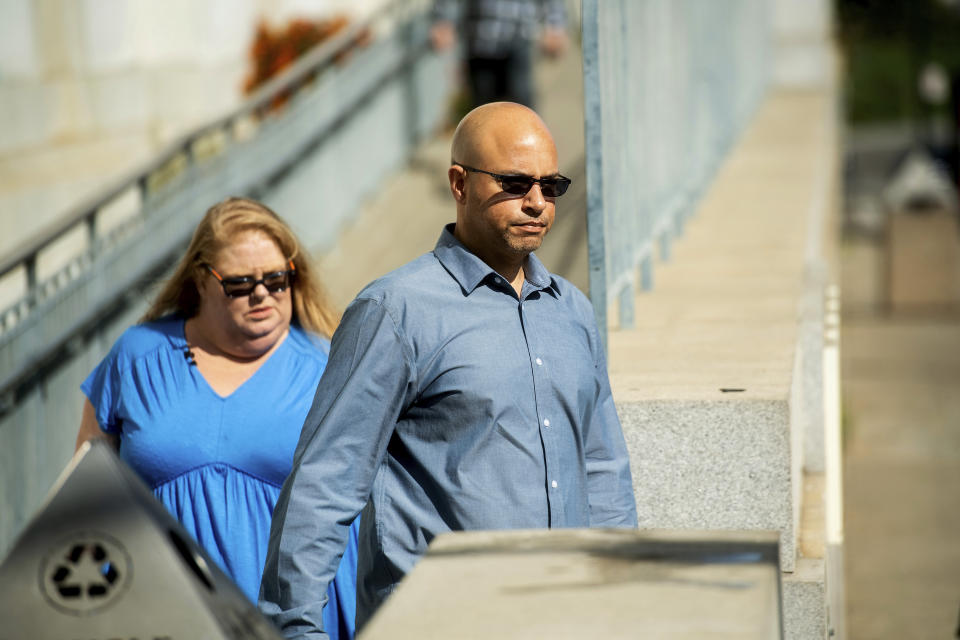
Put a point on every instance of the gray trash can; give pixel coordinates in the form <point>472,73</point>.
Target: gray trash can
<point>104,559</point>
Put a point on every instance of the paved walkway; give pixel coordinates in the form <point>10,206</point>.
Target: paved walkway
<point>901,377</point>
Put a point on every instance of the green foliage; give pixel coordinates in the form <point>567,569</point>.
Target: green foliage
<point>886,44</point>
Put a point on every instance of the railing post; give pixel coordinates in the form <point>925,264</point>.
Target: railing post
<point>143,189</point>
<point>189,153</point>
<point>646,273</point>
<point>30,272</point>
<point>7,401</point>
<point>91,223</point>
<point>593,138</point>
<point>665,245</point>
<point>626,311</point>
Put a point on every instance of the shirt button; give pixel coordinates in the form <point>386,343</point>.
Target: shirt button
<point>554,484</point>
<point>539,362</point>
<point>546,422</point>
<point>498,280</point>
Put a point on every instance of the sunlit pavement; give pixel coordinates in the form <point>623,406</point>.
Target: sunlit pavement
<point>901,401</point>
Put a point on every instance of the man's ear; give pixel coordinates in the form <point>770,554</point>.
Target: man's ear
<point>458,179</point>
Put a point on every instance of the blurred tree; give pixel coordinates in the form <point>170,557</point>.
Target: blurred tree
<point>273,50</point>
<point>886,44</point>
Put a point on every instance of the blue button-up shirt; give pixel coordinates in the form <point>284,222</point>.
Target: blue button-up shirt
<point>448,403</point>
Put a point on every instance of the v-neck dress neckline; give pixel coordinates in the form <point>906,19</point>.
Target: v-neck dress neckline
<point>201,380</point>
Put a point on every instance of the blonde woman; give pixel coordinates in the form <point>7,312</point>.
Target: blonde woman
<point>205,398</point>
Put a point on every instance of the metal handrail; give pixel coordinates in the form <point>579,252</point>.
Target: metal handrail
<point>658,125</point>
<point>320,57</point>
<point>57,315</point>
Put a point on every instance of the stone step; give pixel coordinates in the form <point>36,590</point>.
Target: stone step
<point>813,591</point>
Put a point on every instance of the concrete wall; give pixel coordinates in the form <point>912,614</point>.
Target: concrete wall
<point>94,68</point>
<point>91,88</point>
<point>720,385</point>
<point>73,69</point>
<point>802,30</point>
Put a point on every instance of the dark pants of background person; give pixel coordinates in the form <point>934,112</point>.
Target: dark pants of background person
<point>508,78</point>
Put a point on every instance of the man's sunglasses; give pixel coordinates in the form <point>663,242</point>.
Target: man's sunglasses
<point>551,187</point>
<point>243,286</point>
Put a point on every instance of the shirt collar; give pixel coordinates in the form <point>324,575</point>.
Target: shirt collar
<point>469,270</point>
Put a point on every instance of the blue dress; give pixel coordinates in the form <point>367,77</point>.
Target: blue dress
<point>217,463</point>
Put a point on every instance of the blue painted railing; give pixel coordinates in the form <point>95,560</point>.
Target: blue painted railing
<point>668,85</point>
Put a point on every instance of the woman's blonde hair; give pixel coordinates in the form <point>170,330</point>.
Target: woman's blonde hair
<point>221,224</point>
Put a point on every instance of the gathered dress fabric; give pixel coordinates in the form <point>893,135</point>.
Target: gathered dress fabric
<point>217,463</point>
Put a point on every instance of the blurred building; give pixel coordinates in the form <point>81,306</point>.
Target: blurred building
<point>89,88</point>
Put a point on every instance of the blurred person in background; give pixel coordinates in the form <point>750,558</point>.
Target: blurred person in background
<point>205,398</point>
<point>498,38</point>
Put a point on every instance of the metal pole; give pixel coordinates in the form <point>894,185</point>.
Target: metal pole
<point>593,138</point>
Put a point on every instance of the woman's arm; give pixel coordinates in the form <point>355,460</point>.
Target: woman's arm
<point>90,429</point>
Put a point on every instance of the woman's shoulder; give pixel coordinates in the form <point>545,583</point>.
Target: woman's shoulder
<point>146,337</point>
<point>308,344</point>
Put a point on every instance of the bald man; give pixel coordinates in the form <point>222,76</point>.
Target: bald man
<point>465,390</point>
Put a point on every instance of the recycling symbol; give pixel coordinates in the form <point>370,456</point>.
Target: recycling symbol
<point>85,574</point>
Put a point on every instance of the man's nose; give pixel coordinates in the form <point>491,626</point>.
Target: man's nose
<point>534,203</point>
